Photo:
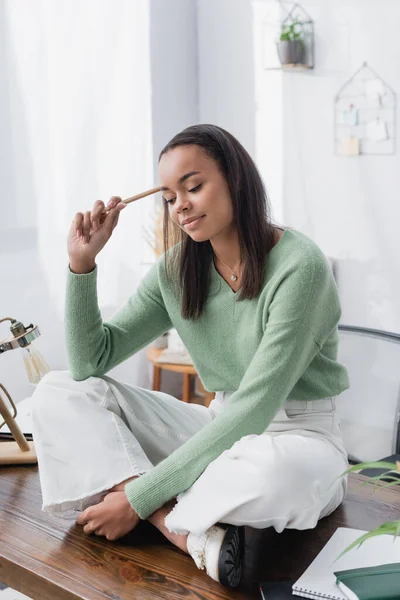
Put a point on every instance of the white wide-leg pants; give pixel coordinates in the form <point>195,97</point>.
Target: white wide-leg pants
<point>90,435</point>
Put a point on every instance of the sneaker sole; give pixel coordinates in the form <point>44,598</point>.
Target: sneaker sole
<point>231,557</point>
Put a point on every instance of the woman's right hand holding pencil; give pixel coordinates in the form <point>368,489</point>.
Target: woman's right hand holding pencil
<point>89,233</point>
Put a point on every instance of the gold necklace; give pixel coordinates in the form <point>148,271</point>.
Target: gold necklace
<point>233,276</point>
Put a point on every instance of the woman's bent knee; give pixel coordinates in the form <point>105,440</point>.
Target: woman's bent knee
<point>55,378</point>
<point>58,387</point>
<point>45,389</point>
<point>64,379</point>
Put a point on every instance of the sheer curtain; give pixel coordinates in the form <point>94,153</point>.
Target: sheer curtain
<point>82,70</point>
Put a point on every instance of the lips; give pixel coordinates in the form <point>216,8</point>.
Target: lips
<point>190,220</point>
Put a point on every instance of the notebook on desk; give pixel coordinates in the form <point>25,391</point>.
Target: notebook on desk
<point>319,581</point>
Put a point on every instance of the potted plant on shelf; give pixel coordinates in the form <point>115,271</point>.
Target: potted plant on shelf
<point>392,474</point>
<point>291,42</point>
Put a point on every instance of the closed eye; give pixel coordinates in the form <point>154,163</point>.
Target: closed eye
<point>193,190</point>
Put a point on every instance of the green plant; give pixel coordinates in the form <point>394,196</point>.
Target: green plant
<point>391,527</point>
<point>292,31</point>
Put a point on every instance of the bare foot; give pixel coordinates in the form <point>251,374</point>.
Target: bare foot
<point>157,519</point>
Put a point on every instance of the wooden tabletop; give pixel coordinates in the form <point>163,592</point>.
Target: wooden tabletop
<point>50,559</point>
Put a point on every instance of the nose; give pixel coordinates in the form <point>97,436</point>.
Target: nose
<point>181,203</point>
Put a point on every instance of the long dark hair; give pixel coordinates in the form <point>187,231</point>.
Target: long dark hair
<point>192,260</point>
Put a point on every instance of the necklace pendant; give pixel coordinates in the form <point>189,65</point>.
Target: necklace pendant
<point>233,277</point>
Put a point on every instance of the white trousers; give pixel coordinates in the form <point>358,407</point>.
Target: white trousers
<point>90,435</point>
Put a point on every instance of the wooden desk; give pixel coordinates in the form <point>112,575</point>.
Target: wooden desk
<point>49,559</point>
<point>188,372</point>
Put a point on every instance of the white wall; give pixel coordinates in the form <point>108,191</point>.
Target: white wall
<point>226,67</point>
<point>174,69</point>
<point>349,206</point>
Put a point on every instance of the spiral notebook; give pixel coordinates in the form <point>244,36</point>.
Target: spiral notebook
<point>319,581</point>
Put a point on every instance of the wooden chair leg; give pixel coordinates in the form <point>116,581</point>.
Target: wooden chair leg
<point>186,387</point>
<point>156,378</point>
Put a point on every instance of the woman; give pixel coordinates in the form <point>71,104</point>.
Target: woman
<point>257,308</point>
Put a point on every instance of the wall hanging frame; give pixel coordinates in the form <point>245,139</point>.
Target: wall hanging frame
<point>365,115</point>
<point>288,39</point>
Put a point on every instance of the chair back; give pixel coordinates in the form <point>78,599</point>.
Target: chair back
<point>370,409</point>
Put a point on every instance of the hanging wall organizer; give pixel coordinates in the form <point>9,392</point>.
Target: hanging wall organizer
<point>288,42</point>
<point>365,115</point>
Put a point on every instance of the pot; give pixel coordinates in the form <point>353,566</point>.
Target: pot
<point>290,52</point>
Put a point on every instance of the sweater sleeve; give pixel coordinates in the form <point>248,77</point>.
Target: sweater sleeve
<point>303,313</point>
<point>93,346</point>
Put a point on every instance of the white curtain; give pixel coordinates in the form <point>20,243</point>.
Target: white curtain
<point>80,115</point>
<point>84,77</point>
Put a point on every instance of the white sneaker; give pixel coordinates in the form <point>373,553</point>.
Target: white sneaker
<point>220,551</point>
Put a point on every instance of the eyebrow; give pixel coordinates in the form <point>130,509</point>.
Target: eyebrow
<point>181,179</point>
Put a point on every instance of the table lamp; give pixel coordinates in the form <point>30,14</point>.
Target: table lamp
<point>21,451</point>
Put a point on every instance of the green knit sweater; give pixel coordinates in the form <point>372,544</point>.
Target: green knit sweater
<point>279,346</point>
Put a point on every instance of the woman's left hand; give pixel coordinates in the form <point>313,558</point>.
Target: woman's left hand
<point>113,517</point>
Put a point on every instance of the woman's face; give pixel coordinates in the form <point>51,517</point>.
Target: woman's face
<point>195,190</point>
